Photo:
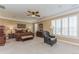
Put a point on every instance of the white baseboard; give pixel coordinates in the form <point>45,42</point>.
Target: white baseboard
<point>68,42</point>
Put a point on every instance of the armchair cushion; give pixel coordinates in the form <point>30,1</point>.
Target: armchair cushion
<point>53,39</point>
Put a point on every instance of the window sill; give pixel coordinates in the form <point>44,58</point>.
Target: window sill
<point>67,37</point>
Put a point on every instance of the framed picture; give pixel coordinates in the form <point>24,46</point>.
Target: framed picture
<point>21,25</point>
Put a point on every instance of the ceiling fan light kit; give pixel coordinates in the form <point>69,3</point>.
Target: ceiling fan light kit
<point>33,15</point>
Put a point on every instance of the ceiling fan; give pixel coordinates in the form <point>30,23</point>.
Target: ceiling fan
<point>33,13</point>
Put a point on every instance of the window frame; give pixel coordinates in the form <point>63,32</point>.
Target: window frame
<point>68,18</point>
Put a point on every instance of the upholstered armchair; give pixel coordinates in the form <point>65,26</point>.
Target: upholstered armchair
<point>51,40</point>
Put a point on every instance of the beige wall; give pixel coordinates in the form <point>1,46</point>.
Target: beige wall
<point>46,25</point>
<point>10,24</point>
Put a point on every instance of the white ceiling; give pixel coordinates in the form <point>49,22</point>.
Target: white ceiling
<point>16,11</point>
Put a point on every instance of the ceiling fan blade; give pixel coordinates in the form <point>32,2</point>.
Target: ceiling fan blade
<point>37,12</point>
<point>38,15</point>
<point>27,14</point>
<point>29,11</point>
<point>1,6</point>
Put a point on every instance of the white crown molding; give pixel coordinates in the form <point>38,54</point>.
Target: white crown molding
<point>71,11</point>
<point>17,19</point>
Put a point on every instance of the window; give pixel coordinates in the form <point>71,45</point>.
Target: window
<point>58,26</point>
<point>65,26</point>
<point>73,26</point>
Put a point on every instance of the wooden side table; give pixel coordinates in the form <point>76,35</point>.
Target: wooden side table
<point>39,34</point>
<point>12,35</point>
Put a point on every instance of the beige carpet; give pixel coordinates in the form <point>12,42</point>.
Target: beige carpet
<point>36,46</point>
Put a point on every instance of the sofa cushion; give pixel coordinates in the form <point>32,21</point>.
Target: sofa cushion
<point>29,36</point>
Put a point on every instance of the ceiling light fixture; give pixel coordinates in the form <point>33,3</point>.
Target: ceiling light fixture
<point>32,13</point>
